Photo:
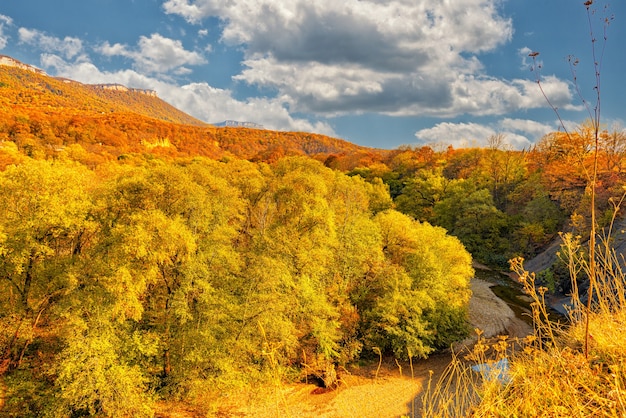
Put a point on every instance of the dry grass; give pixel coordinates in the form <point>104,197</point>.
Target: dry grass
<point>560,371</point>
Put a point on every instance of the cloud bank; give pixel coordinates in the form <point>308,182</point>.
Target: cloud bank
<point>398,58</point>
<point>462,135</point>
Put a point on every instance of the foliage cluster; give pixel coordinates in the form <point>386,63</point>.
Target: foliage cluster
<point>502,203</point>
<point>143,278</point>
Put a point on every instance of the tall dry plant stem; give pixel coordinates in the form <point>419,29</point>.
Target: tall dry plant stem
<point>593,110</point>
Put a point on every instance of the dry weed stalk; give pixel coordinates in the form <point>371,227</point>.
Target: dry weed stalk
<point>549,373</point>
<point>594,111</point>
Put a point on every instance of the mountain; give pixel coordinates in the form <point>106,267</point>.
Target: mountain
<point>24,86</point>
<point>44,114</point>
<point>236,123</point>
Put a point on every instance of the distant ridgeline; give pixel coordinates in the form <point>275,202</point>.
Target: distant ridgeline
<point>12,62</point>
<point>237,124</point>
<point>119,87</point>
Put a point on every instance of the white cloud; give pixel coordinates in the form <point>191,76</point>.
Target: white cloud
<point>459,135</point>
<point>4,22</point>
<point>518,133</point>
<point>395,57</point>
<point>69,47</point>
<point>155,55</point>
<point>197,99</point>
<point>529,127</point>
<point>191,12</point>
<point>215,105</point>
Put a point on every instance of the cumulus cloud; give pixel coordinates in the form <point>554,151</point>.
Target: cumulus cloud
<point>155,54</point>
<point>69,47</point>
<point>396,57</point>
<point>191,12</point>
<point>4,22</point>
<point>215,105</point>
<point>459,135</point>
<point>198,99</point>
<point>528,127</point>
<point>517,133</point>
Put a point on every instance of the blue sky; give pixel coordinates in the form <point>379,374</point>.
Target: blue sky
<point>379,73</point>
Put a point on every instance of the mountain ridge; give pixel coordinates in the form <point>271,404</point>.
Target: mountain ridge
<point>12,62</point>
<point>48,113</point>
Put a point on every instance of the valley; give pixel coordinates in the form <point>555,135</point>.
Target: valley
<point>155,265</point>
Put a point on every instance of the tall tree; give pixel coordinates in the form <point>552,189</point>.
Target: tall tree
<point>44,228</point>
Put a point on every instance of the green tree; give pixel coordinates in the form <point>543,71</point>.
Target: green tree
<point>503,169</point>
<point>422,193</point>
<point>422,303</point>
<point>173,239</point>
<point>44,228</point>
<point>95,375</point>
<point>471,215</point>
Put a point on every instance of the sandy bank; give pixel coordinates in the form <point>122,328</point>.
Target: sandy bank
<point>492,315</point>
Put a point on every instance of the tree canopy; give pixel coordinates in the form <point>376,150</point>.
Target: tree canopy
<point>151,278</point>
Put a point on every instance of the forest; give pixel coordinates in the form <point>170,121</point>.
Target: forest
<point>144,259</point>
<point>180,277</point>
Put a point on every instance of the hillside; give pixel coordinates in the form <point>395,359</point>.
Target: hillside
<point>25,86</point>
<point>43,114</point>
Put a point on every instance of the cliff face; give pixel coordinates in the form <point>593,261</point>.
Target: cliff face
<point>238,124</point>
<point>119,87</point>
<point>12,62</point>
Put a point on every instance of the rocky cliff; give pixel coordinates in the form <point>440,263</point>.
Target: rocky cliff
<point>237,124</point>
<point>119,87</point>
<point>12,62</point>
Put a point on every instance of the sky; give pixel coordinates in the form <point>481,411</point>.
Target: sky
<point>378,73</point>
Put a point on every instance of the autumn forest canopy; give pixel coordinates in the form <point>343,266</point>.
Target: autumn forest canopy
<point>145,255</point>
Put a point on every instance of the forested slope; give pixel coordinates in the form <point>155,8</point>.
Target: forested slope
<point>142,259</point>
<point>43,114</point>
